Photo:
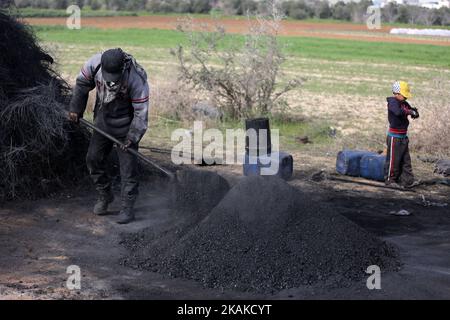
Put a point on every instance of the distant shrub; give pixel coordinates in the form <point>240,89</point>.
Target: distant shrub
<point>295,9</point>
<point>431,133</point>
<point>242,80</point>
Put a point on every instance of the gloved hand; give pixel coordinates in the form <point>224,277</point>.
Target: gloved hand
<point>414,113</point>
<point>126,145</point>
<point>74,117</point>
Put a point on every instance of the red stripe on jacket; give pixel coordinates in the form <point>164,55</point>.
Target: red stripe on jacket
<point>391,173</point>
<point>398,131</point>
<point>85,74</point>
<point>142,100</point>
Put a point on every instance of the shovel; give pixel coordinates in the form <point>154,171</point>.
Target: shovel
<point>139,155</point>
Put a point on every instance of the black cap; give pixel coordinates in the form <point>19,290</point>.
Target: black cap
<point>113,61</point>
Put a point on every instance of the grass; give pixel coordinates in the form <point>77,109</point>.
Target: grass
<point>384,24</point>
<point>59,13</point>
<point>303,47</point>
<point>385,52</point>
<point>316,131</point>
<point>86,11</point>
<point>347,81</point>
<point>149,38</point>
<point>331,66</point>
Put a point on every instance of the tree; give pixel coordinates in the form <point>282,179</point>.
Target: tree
<point>241,7</point>
<point>403,14</point>
<point>44,4</point>
<point>242,80</point>
<point>59,4</point>
<point>297,9</point>
<point>183,6</point>
<point>390,12</point>
<point>359,10</point>
<point>200,6</point>
<point>341,11</point>
<point>415,14</point>
<point>444,14</point>
<point>161,6</point>
<point>6,3</point>
<point>135,5</point>
<point>95,4</point>
<point>322,10</point>
<point>116,4</point>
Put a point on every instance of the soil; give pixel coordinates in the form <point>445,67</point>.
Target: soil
<point>289,28</point>
<point>40,239</point>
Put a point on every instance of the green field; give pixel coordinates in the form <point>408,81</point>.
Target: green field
<point>88,12</point>
<point>85,12</point>
<point>346,81</point>
<point>305,47</point>
<point>335,63</point>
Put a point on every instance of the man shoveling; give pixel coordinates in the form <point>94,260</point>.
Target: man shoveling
<point>121,110</point>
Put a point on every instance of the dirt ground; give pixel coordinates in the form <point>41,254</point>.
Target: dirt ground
<point>40,239</point>
<point>348,31</point>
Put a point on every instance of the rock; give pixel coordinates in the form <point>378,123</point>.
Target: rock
<point>400,213</point>
<point>303,140</point>
<point>205,110</point>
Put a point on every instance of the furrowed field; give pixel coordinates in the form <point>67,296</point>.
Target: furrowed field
<point>347,81</point>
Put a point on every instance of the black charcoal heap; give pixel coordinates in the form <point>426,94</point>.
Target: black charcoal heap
<point>39,150</point>
<point>264,236</point>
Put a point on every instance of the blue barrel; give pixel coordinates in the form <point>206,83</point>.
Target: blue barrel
<point>372,167</point>
<point>279,163</point>
<point>348,162</point>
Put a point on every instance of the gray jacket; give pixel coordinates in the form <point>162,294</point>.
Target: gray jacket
<point>123,112</point>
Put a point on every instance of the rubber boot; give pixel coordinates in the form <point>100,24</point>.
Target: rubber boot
<point>126,215</point>
<point>104,200</point>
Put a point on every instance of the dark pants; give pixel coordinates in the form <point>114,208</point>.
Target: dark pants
<point>99,149</point>
<point>398,168</point>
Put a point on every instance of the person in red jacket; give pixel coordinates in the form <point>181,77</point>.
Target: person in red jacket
<point>398,168</point>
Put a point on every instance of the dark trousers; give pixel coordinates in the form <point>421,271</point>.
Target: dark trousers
<point>99,149</point>
<point>398,168</point>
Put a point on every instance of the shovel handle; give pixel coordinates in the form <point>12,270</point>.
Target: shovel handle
<point>132,151</point>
